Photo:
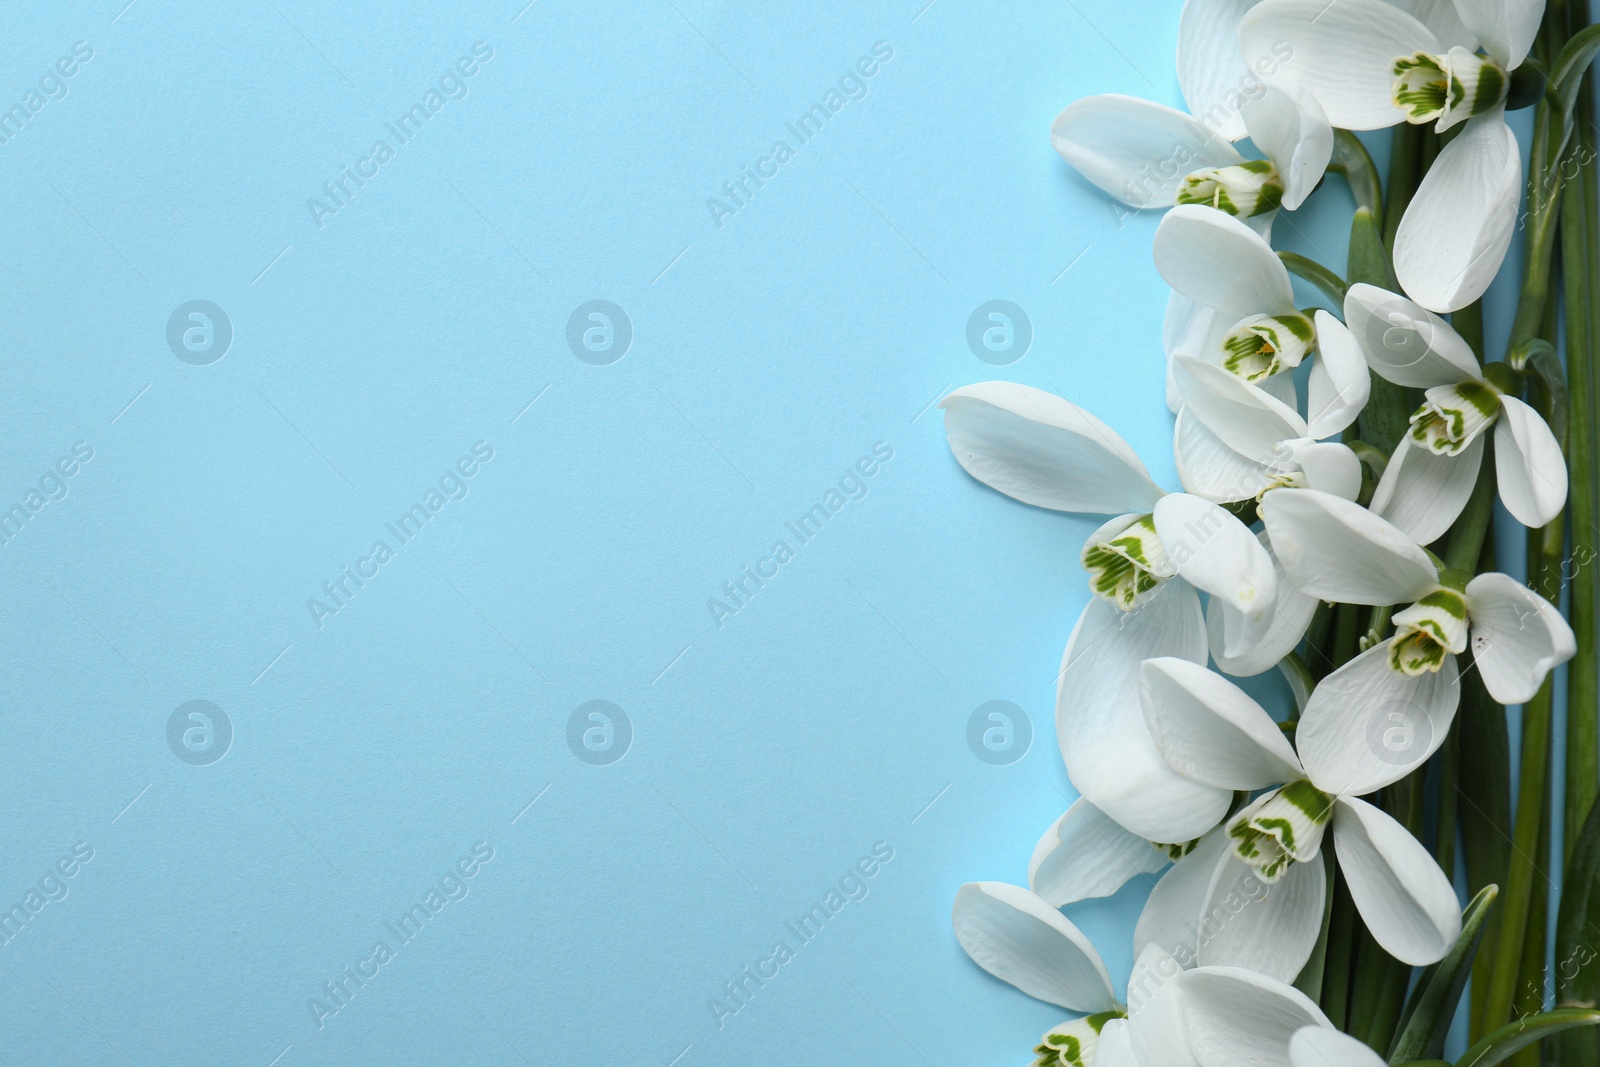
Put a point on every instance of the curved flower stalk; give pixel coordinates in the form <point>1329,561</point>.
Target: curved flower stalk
<point>1432,472</point>
<point>1370,65</point>
<point>1233,306</point>
<point>1210,730</point>
<point>1149,155</point>
<point>1337,550</point>
<point>1145,567</point>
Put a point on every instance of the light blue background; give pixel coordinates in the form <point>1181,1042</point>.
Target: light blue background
<point>768,354</point>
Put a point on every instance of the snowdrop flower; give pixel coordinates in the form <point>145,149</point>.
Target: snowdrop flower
<point>1431,474</point>
<point>1205,1017</point>
<point>1234,441</point>
<point>1233,306</point>
<point>1145,567</point>
<point>1337,550</point>
<point>1370,65</point>
<point>1210,730</point>
<point>1149,155</point>
<point>1230,274</point>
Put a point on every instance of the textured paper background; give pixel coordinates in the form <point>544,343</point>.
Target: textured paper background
<point>377,339</point>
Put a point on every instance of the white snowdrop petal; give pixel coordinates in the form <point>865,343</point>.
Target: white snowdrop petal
<point>1518,637</point>
<point>1085,854</point>
<point>1404,898</point>
<point>1136,150</point>
<point>1021,939</point>
<point>1044,450</point>
<point>1367,725</point>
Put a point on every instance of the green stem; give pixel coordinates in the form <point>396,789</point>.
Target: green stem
<point>1531,978</point>
<point>1341,946</point>
<point>1545,553</point>
<point>1506,960</point>
<point>1330,283</point>
<point>1580,259</point>
<point>1466,536</point>
<point>1345,626</point>
<point>1351,158</point>
<point>1405,153</point>
<point>1468,322</point>
<point>1550,132</point>
<point>1444,849</point>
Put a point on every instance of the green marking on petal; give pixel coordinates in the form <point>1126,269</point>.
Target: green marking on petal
<point>1176,851</point>
<point>1420,87</point>
<point>1263,345</point>
<point>1072,1044</point>
<point>1128,567</point>
<point>1244,189</point>
<point>1446,89</point>
<point>1282,828</point>
<point>1428,631</point>
<point>1493,84</point>
<point>1452,416</point>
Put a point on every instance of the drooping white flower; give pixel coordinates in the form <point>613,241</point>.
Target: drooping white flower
<point>1149,155</point>
<point>1235,441</point>
<point>1430,476</point>
<point>1175,1017</point>
<point>1210,730</point>
<point>1370,65</point>
<point>1337,550</point>
<point>1145,566</point>
<point>1224,268</point>
<point>1233,306</point>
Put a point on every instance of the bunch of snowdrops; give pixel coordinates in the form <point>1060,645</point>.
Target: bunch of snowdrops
<point>1340,468</point>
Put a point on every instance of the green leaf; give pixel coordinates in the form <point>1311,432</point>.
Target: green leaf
<point>1484,780</point>
<point>1577,920</point>
<point>1386,418</point>
<point>1571,65</point>
<point>1369,259</point>
<point>1514,1037</point>
<point>1433,1001</point>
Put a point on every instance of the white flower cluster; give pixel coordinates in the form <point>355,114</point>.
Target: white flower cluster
<point>1277,516</point>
